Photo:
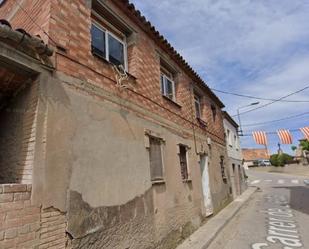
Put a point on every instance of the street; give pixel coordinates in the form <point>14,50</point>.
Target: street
<point>276,216</point>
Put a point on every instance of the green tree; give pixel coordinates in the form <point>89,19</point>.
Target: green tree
<point>293,147</point>
<point>280,160</point>
<point>304,145</point>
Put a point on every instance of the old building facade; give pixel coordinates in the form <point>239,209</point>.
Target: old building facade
<point>235,158</point>
<point>111,139</point>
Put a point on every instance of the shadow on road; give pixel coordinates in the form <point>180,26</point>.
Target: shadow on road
<point>299,198</point>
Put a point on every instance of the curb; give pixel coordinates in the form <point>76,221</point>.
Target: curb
<point>202,237</point>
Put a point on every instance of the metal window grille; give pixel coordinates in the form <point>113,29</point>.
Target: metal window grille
<point>183,162</point>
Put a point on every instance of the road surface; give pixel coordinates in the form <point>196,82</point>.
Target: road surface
<point>277,216</point>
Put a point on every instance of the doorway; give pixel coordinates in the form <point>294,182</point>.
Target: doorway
<point>205,185</point>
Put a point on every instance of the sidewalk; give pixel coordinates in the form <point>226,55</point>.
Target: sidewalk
<point>293,169</point>
<point>202,238</point>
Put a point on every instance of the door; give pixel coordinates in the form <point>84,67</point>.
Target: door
<point>205,185</point>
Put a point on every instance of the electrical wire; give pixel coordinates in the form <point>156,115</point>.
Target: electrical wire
<point>259,98</point>
<point>277,120</point>
<point>31,19</point>
<point>272,102</point>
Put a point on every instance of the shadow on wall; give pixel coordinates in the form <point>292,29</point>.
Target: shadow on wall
<point>17,136</point>
<point>299,198</point>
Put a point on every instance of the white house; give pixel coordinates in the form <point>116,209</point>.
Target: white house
<point>234,152</point>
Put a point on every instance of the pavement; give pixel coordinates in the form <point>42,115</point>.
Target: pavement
<point>292,169</point>
<point>276,216</point>
<point>207,233</point>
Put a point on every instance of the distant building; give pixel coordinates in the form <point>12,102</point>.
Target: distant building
<point>234,155</point>
<point>302,155</point>
<point>251,155</point>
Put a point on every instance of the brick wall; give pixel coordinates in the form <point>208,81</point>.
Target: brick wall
<point>23,225</point>
<point>17,136</point>
<point>32,16</point>
<point>144,64</point>
<point>20,222</point>
<point>68,23</point>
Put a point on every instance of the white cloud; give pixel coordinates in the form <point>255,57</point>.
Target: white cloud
<point>253,47</point>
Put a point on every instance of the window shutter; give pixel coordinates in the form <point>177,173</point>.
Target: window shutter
<point>155,153</point>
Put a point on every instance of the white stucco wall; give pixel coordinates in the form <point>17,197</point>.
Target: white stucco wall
<point>233,146</point>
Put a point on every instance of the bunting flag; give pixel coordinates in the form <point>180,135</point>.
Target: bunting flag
<point>285,136</point>
<point>260,137</point>
<point>305,130</point>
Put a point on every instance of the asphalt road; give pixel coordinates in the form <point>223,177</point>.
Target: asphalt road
<point>277,216</point>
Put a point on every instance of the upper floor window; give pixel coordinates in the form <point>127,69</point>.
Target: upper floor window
<point>108,46</point>
<point>167,84</point>
<point>197,104</point>
<point>229,137</point>
<point>2,2</point>
<point>235,142</point>
<point>214,112</point>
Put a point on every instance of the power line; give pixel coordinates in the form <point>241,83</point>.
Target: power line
<point>32,20</point>
<point>278,120</point>
<point>255,97</point>
<point>272,102</point>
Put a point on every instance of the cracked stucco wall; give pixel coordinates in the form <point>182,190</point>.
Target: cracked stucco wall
<point>96,150</point>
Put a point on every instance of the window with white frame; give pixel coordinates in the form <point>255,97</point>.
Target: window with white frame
<point>229,138</point>
<point>197,104</point>
<point>167,84</point>
<point>235,142</point>
<point>108,46</point>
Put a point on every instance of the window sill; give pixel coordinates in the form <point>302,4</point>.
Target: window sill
<point>158,182</point>
<point>132,78</point>
<point>171,101</point>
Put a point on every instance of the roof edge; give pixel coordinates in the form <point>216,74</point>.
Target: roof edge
<point>141,20</point>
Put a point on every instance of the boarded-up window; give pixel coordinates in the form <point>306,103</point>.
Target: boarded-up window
<point>155,155</point>
<point>183,162</point>
<point>223,169</point>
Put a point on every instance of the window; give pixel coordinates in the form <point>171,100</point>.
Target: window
<point>108,46</point>
<point>156,160</point>
<point>197,104</point>
<point>183,162</point>
<point>167,84</point>
<point>2,2</point>
<point>214,112</point>
<point>229,137</point>
<point>223,169</point>
<point>235,142</point>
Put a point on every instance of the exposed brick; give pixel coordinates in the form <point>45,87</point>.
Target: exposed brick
<point>22,196</point>
<point>6,198</point>
<point>11,206</point>
<point>10,233</point>
<point>24,229</point>
<point>26,237</point>
<point>1,235</point>
<point>7,244</point>
<point>14,188</point>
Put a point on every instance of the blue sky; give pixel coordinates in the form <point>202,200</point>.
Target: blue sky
<point>258,48</point>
